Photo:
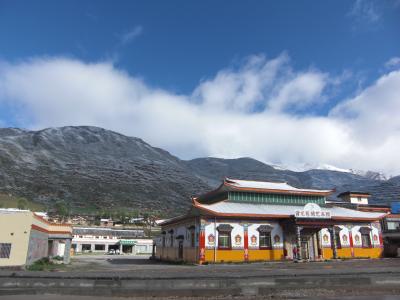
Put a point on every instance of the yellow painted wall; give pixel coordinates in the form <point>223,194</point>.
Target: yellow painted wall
<point>327,253</point>
<point>15,229</point>
<point>343,252</point>
<point>238,255</point>
<point>257,255</point>
<point>368,252</point>
<point>224,255</point>
<point>358,253</point>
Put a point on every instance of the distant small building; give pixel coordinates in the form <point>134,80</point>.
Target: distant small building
<point>391,231</point>
<point>78,220</point>
<point>26,237</point>
<point>106,223</point>
<point>360,198</point>
<point>104,240</point>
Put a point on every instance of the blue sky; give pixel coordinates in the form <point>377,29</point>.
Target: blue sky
<point>328,55</point>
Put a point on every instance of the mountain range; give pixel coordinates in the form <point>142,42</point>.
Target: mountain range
<point>91,168</point>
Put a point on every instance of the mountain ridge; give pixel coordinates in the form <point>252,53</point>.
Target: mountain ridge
<point>93,168</point>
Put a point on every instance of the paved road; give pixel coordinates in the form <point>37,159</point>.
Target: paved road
<point>63,297</point>
<point>139,267</point>
<point>109,276</point>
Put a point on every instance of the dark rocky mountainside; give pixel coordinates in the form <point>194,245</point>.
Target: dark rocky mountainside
<point>212,170</point>
<point>93,168</point>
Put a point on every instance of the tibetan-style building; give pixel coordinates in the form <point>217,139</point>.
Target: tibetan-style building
<point>258,221</point>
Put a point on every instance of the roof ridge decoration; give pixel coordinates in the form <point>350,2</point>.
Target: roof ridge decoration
<point>233,180</point>
<point>269,186</point>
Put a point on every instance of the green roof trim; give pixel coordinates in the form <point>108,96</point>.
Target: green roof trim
<point>264,198</point>
<point>127,242</point>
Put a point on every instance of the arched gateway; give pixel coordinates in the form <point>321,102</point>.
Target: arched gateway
<point>257,221</point>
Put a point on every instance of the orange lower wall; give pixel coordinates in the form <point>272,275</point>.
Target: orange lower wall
<point>368,252</point>
<point>257,255</point>
<point>358,253</point>
<point>191,254</point>
<point>224,255</point>
<point>238,255</point>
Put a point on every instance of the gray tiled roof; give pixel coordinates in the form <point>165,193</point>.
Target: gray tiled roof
<point>120,233</point>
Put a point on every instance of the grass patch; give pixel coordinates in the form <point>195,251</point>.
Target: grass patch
<point>44,264</point>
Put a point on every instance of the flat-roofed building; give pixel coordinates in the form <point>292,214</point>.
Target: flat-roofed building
<point>360,198</point>
<point>26,237</point>
<point>104,240</point>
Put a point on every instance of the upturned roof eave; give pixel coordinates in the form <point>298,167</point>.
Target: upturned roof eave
<point>209,212</point>
<point>225,186</point>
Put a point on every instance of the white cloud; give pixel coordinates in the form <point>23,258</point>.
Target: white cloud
<point>131,35</point>
<point>394,62</point>
<point>365,11</point>
<point>301,91</point>
<point>252,111</point>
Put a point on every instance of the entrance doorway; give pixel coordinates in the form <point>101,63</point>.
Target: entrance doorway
<point>305,248</point>
<point>127,249</point>
<point>309,243</point>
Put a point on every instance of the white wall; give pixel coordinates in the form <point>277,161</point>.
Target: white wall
<point>238,230</point>
<point>359,200</point>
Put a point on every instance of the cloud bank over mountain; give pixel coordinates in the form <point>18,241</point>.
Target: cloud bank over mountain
<point>263,108</point>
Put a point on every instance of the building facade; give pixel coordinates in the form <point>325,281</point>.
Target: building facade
<point>391,231</point>
<point>26,237</point>
<point>259,221</point>
<point>104,240</point>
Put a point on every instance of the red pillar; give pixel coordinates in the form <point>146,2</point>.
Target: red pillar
<point>351,243</point>
<point>202,243</point>
<point>381,242</point>
<point>246,243</point>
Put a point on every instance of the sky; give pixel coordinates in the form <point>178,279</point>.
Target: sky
<point>298,84</point>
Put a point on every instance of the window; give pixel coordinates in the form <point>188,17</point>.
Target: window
<point>265,240</point>
<point>99,247</point>
<point>365,240</point>
<point>224,240</point>
<point>391,225</point>
<point>104,237</point>
<point>81,236</point>
<point>265,236</point>
<point>5,249</point>
<point>224,236</point>
<point>86,247</point>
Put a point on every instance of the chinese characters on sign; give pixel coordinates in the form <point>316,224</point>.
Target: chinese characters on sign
<point>312,210</point>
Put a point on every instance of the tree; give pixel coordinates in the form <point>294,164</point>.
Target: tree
<point>22,203</point>
<point>61,209</point>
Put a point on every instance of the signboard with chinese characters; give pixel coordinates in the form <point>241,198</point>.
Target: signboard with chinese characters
<point>312,211</point>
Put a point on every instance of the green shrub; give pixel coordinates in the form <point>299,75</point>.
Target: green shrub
<point>40,265</point>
